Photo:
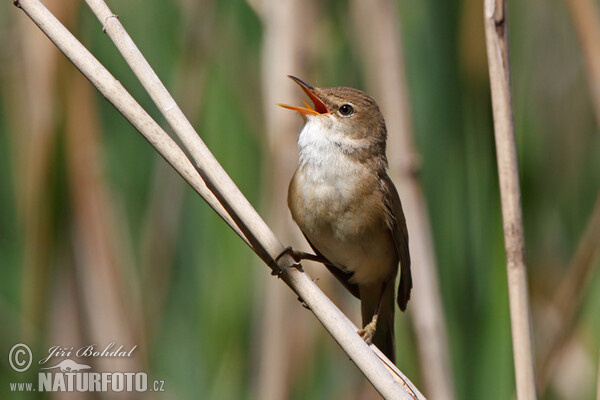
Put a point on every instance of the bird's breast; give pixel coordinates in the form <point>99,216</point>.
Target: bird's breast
<point>336,202</point>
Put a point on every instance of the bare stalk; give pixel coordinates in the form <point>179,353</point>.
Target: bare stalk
<point>378,34</point>
<point>122,100</point>
<point>390,382</point>
<point>570,295</point>
<point>586,20</point>
<point>164,214</point>
<point>285,24</point>
<point>99,268</point>
<point>254,228</point>
<point>496,34</point>
<point>598,383</point>
<point>34,141</point>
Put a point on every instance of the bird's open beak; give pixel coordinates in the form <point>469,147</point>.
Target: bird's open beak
<point>320,107</point>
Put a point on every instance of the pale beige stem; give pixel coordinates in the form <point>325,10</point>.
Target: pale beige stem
<point>378,34</point>
<point>158,244</point>
<point>34,138</point>
<point>569,296</point>
<point>496,34</point>
<point>570,293</point>
<point>230,197</point>
<point>264,242</point>
<point>285,24</point>
<point>586,20</point>
<point>598,383</point>
<point>165,211</point>
<point>98,266</point>
<point>135,114</point>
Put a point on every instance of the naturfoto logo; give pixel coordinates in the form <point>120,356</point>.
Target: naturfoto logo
<point>68,375</point>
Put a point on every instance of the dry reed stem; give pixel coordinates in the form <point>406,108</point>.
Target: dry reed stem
<point>598,382</point>
<point>99,271</point>
<point>237,206</point>
<point>496,34</point>
<point>285,24</point>
<point>35,138</point>
<point>135,114</point>
<point>164,215</point>
<point>586,20</point>
<point>264,242</point>
<point>570,294</point>
<point>159,237</point>
<point>378,34</point>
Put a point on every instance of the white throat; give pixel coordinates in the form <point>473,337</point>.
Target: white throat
<point>319,141</point>
<point>324,150</point>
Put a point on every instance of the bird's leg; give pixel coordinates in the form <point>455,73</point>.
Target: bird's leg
<point>297,256</point>
<point>300,255</point>
<point>369,330</point>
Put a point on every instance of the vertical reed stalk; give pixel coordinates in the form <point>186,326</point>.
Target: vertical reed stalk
<point>496,34</point>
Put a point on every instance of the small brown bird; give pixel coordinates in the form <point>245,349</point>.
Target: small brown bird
<point>348,208</point>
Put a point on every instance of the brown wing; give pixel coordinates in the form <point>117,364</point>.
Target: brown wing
<point>343,277</point>
<point>397,225</point>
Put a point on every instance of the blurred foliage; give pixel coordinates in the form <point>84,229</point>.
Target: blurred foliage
<point>205,341</point>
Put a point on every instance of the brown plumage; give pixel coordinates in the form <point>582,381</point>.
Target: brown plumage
<point>348,208</point>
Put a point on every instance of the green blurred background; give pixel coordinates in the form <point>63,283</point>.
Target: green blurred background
<point>81,192</point>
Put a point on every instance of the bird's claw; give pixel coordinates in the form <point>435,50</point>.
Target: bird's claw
<point>301,300</point>
<point>296,255</point>
<point>292,253</point>
<point>368,331</point>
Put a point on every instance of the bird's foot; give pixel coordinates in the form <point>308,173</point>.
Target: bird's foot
<point>303,303</point>
<point>300,255</point>
<point>292,253</point>
<point>368,331</point>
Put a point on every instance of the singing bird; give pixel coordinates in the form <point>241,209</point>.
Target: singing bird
<point>347,206</point>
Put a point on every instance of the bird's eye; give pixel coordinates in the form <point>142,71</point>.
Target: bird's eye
<point>346,110</point>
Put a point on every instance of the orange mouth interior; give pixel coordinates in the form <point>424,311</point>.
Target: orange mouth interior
<point>319,107</point>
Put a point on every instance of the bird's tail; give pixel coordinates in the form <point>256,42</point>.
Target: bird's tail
<point>384,334</point>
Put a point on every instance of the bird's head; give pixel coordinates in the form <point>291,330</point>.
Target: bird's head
<point>343,112</point>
